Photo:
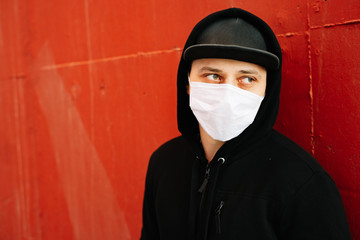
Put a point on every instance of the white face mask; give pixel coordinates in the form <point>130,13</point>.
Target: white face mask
<point>223,110</point>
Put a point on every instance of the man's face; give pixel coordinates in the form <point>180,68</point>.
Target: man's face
<point>248,76</point>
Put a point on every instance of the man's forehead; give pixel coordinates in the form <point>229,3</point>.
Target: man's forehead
<point>219,65</point>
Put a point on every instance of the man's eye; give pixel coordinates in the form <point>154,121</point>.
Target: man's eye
<point>247,80</point>
<point>213,77</point>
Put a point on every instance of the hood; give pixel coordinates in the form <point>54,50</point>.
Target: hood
<point>267,114</point>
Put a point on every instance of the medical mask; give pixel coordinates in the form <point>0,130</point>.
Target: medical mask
<point>223,110</point>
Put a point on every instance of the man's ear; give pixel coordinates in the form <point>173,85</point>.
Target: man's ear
<point>188,84</point>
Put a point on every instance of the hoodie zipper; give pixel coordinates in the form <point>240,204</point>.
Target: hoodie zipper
<point>217,217</point>
<point>207,196</point>
<point>206,179</point>
<point>203,186</point>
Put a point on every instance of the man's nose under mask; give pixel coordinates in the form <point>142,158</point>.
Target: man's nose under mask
<point>223,110</point>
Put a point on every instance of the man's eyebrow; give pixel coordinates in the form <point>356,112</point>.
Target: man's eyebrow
<point>242,71</point>
<point>249,71</point>
<point>206,68</point>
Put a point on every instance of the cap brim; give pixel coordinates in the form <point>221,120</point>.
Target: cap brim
<point>263,58</point>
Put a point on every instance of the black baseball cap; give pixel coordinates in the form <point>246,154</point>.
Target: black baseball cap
<point>232,38</point>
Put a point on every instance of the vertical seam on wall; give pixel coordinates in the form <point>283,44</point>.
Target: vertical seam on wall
<point>20,192</point>
<point>91,86</point>
<point>311,96</point>
<point>90,70</point>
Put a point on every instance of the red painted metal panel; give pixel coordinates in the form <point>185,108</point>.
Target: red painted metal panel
<point>336,80</point>
<point>87,92</point>
<point>294,118</point>
<point>61,25</point>
<point>329,12</point>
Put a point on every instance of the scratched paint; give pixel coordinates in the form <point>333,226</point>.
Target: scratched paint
<point>110,59</point>
<point>87,92</point>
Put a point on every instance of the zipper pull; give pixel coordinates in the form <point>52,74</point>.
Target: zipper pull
<point>206,179</point>
<point>217,217</point>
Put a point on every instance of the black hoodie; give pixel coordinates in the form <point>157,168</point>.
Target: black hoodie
<point>259,185</point>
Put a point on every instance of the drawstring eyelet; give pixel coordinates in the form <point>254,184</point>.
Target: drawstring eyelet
<point>222,160</point>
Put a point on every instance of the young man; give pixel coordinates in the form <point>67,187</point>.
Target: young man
<point>230,175</point>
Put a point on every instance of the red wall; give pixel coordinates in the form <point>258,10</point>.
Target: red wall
<point>87,92</point>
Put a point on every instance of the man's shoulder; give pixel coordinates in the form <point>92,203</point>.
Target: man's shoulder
<point>290,152</point>
<point>171,152</point>
<point>177,144</point>
<point>291,167</point>
<point>170,159</point>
